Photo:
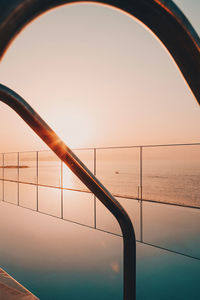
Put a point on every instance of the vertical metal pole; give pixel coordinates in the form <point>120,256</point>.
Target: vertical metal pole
<point>3,176</point>
<point>141,206</point>
<point>18,178</point>
<point>37,179</point>
<point>129,258</point>
<point>95,200</point>
<point>61,185</point>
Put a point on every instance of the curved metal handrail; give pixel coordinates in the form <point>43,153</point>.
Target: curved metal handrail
<point>26,112</point>
<point>162,17</point>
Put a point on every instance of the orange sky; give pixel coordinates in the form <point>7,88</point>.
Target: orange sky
<point>99,78</point>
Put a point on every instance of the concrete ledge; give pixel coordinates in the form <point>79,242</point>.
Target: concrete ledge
<point>10,289</point>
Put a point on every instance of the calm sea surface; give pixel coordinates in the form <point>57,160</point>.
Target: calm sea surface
<point>167,174</point>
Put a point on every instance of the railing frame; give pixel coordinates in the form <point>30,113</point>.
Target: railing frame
<point>141,223</point>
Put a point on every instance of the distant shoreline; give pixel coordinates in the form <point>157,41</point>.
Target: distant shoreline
<point>13,167</point>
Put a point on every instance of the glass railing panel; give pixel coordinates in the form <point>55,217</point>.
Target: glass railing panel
<point>119,170</point>
<point>106,221</point>
<point>1,176</point>
<point>49,169</point>
<point>28,196</point>
<point>165,275</point>
<point>1,190</point>
<point>11,192</point>
<point>49,201</point>
<point>132,207</point>
<point>172,227</point>
<point>172,174</point>
<point>69,179</point>
<point>78,207</point>
<point>11,167</point>
<point>28,167</point>
<point>1,166</point>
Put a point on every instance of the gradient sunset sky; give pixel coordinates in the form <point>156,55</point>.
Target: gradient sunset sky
<point>99,78</point>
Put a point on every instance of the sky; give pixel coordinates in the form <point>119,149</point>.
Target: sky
<point>98,77</point>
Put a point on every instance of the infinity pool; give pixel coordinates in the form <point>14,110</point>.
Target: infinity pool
<point>56,259</point>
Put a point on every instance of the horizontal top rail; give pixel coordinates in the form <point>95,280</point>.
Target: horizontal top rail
<point>113,147</point>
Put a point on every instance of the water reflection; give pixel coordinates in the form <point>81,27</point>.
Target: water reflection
<point>78,207</point>
<point>49,200</point>
<point>53,257</point>
<point>107,222</point>
<point>29,201</point>
<point>1,190</point>
<point>59,260</point>
<point>10,192</point>
<point>167,226</point>
<point>175,228</point>
<point>1,166</point>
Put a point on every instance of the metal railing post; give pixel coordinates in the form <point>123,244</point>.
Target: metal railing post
<point>37,181</point>
<point>95,200</point>
<point>18,178</point>
<point>61,185</point>
<point>141,200</point>
<point>3,162</point>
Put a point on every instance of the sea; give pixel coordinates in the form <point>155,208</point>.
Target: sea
<point>163,174</point>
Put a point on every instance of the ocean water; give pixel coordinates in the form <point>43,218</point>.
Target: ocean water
<point>167,174</point>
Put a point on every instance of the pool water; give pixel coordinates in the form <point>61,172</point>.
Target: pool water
<point>56,259</point>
